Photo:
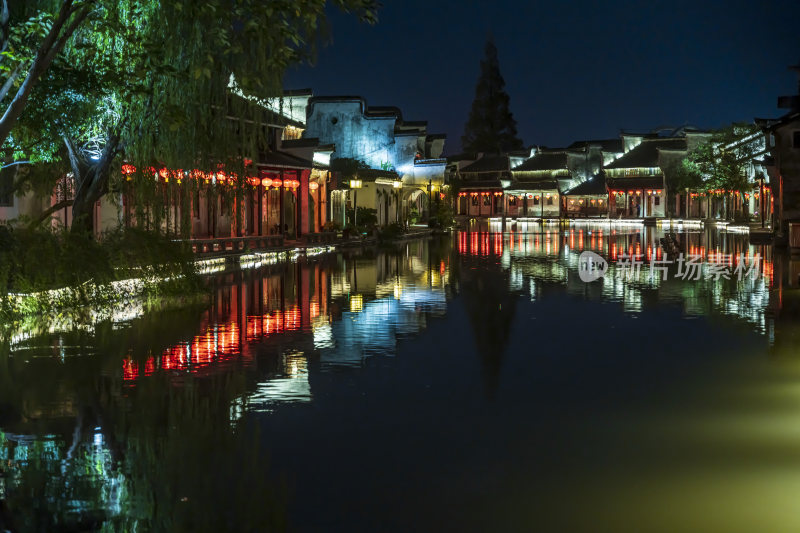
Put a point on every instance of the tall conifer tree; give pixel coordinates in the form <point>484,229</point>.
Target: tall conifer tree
<point>491,126</point>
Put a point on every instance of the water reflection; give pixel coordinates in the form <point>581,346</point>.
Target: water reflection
<point>189,420</point>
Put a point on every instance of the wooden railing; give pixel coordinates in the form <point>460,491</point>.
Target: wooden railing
<point>324,237</point>
<point>232,245</point>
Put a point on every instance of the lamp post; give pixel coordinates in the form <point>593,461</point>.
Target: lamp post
<point>397,184</point>
<point>355,185</point>
<point>761,199</point>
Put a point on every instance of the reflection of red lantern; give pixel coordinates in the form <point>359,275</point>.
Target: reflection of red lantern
<point>163,173</point>
<point>266,182</point>
<point>277,182</point>
<point>313,185</point>
<point>128,169</point>
<point>220,177</point>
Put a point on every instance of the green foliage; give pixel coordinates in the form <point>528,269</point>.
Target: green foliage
<point>491,126</point>
<point>151,82</point>
<point>392,231</point>
<point>366,220</point>
<point>331,225</point>
<point>35,261</point>
<point>443,216</point>
<point>413,215</point>
<point>724,162</point>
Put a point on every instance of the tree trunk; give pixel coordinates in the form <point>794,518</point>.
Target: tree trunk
<point>92,182</point>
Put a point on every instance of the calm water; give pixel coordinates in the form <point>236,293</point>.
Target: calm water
<point>472,383</point>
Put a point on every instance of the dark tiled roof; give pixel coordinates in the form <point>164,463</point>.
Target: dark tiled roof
<point>635,183</point>
<point>606,145</point>
<point>488,163</point>
<point>298,92</point>
<point>383,111</point>
<point>476,185</point>
<point>771,123</point>
<point>645,155</point>
<point>371,174</point>
<point>464,156</point>
<point>283,159</point>
<point>305,142</point>
<point>544,161</point>
<point>534,185</point>
<point>593,187</point>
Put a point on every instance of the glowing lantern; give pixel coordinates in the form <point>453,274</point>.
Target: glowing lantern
<point>266,182</point>
<point>253,181</point>
<point>128,169</point>
<point>277,182</point>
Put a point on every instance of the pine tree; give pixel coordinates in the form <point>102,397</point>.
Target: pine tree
<point>491,126</point>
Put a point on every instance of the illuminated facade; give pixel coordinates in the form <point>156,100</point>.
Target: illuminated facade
<point>782,164</point>
<point>379,137</point>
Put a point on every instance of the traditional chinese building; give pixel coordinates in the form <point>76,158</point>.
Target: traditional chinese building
<point>636,181</point>
<point>380,138</point>
<point>782,164</point>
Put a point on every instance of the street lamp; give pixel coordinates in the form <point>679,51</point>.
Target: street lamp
<point>397,184</point>
<point>355,185</point>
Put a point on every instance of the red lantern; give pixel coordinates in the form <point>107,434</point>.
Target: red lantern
<point>253,181</point>
<point>277,182</point>
<point>128,169</point>
<point>313,186</point>
<point>266,182</point>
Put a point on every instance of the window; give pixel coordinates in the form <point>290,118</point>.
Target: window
<point>475,200</point>
<point>487,200</point>
<point>657,200</point>
<point>549,200</point>
<point>535,200</point>
<point>7,187</point>
<point>512,200</point>
<point>796,139</point>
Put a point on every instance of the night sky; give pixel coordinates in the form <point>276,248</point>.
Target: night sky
<point>574,70</point>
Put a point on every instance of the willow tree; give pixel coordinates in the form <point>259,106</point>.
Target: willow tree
<point>149,82</point>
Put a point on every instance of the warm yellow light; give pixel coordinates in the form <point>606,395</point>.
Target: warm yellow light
<point>355,184</point>
<point>356,303</point>
<point>397,184</point>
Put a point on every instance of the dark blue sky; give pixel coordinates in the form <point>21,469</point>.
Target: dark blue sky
<point>574,70</point>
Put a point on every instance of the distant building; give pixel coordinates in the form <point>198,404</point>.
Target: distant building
<point>379,137</point>
<point>782,139</point>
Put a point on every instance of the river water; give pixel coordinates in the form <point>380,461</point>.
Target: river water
<point>465,383</point>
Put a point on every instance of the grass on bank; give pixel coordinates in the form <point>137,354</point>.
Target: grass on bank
<point>48,272</point>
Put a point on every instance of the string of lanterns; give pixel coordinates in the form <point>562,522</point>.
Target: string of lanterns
<point>220,177</point>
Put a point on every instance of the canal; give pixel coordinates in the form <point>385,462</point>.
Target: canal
<point>464,383</point>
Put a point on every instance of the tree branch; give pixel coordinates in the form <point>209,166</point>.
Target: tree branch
<point>10,81</point>
<point>49,211</point>
<point>52,44</point>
